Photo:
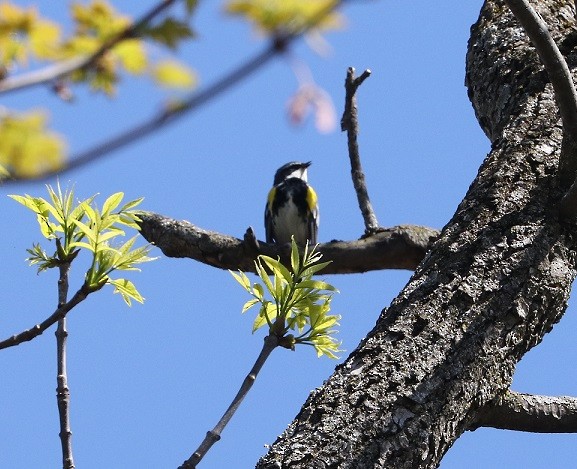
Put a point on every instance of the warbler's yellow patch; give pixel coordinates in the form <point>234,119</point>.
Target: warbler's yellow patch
<point>311,198</point>
<point>271,196</point>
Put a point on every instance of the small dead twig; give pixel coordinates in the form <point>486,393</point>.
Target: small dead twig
<point>350,124</point>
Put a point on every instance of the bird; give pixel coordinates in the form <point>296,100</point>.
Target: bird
<point>292,207</point>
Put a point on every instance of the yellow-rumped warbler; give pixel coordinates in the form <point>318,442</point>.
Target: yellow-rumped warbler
<point>291,207</point>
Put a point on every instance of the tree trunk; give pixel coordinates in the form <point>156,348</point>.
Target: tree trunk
<point>492,285</point>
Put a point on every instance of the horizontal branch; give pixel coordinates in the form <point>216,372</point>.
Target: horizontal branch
<point>531,413</point>
<point>400,247</point>
<point>38,329</point>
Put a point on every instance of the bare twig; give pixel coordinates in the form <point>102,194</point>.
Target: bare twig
<point>62,390</point>
<point>531,413</point>
<point>400,247</point>
<point>193,102</point>
<point>270,343</point>
<point>565,95</point>
<point>62,69</point>
<point>350,124</point>
<point>38,329</point>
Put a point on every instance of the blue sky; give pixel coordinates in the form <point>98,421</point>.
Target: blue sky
<point>147,382</point>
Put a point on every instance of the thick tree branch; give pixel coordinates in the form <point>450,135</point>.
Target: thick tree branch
<point>62,69</point>
<point>565,95</point>
<point>491,286</point>
<point>350,124</point>
<point>401,247</point>
<point>530,413</point>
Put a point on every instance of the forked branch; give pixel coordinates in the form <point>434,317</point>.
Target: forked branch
<point>38,329</point>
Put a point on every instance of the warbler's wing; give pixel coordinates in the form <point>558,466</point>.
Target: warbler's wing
<point>313,218</point>
<point>268,226</point>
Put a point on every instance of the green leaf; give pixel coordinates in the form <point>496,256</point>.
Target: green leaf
<point>277,268</point>
<point>88,231</point>
<point>127,289</point>
<point>111,203</point>
<point>249,304</point>
<point>24,200</point>
<point>132,55</point>
<point>242,279</point>
<point>264,276</point>
<point>109,235</point>
<point>259,321</point>
<point>316,284</point>
<point>266,315</point>
<point>170,32</point>
<point>190,6</point>
<point>173,74</point>
<point>295,258</point>
<point>82,244</point>
<point>131,204</point>
<point>39,257</point>
<point>258,291</point>
<point>313,269</point>
<point>47,228</point>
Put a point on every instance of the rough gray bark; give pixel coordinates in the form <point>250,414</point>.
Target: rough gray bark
<point>490,288</point>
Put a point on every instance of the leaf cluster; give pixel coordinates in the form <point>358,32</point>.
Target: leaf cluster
<point>77,226</point>
<point>24,35</point>
<point>299,303</point>
<point>27,148</point>
<point>287,16</point>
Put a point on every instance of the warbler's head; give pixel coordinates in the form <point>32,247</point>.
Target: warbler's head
<point>294,169</point>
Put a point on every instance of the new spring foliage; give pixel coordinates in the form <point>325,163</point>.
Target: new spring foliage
<point>83,226</point>
<point>297,311</point>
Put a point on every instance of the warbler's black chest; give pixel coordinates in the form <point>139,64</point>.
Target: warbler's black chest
<point>292,191</point>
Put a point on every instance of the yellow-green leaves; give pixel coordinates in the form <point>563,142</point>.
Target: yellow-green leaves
<point>23,33</point>
<point>27,39</point>
<point>98,23</point>
<point>170,32</point>
<point>27,147</point>
<point>299,303</point>
<point>292,16</point>
<point>83,226</point>
<point>173,74</point>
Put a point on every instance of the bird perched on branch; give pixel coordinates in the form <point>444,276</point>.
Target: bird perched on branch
<point>291,207</point>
